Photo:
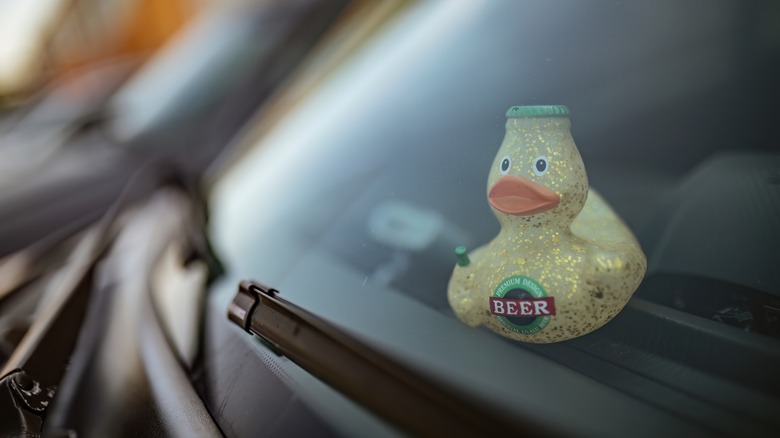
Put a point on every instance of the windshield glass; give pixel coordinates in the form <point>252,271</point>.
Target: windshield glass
<point>352,192</point>
<point>385,165</point>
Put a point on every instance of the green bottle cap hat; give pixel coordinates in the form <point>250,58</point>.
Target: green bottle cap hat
<point>527,112</point>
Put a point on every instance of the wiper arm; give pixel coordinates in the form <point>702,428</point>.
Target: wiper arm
<point>408,398</point>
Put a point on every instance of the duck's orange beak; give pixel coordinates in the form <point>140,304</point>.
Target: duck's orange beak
<point>520,196</point>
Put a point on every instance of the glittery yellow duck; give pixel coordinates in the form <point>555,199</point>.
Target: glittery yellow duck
<point>564,263</point>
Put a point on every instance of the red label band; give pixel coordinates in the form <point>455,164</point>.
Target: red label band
<point>529,307</point>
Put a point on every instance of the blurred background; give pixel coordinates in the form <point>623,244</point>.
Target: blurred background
<point>46,40</point>
<point>86,96</point>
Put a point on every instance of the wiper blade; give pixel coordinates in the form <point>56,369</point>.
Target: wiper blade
<point>408,398</point>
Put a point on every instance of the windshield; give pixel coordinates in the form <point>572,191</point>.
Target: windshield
<point>385,165</point>
<point>352,193</point>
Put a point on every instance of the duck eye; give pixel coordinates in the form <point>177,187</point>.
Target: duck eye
<point>540,165</point>
<point>506,163</point>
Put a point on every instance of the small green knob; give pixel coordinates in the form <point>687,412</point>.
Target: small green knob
<point>463,257</point>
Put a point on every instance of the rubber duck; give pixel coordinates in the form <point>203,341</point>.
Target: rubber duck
<point>564,263</point>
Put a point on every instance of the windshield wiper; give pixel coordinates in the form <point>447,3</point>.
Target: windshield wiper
<point>409,398</point>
